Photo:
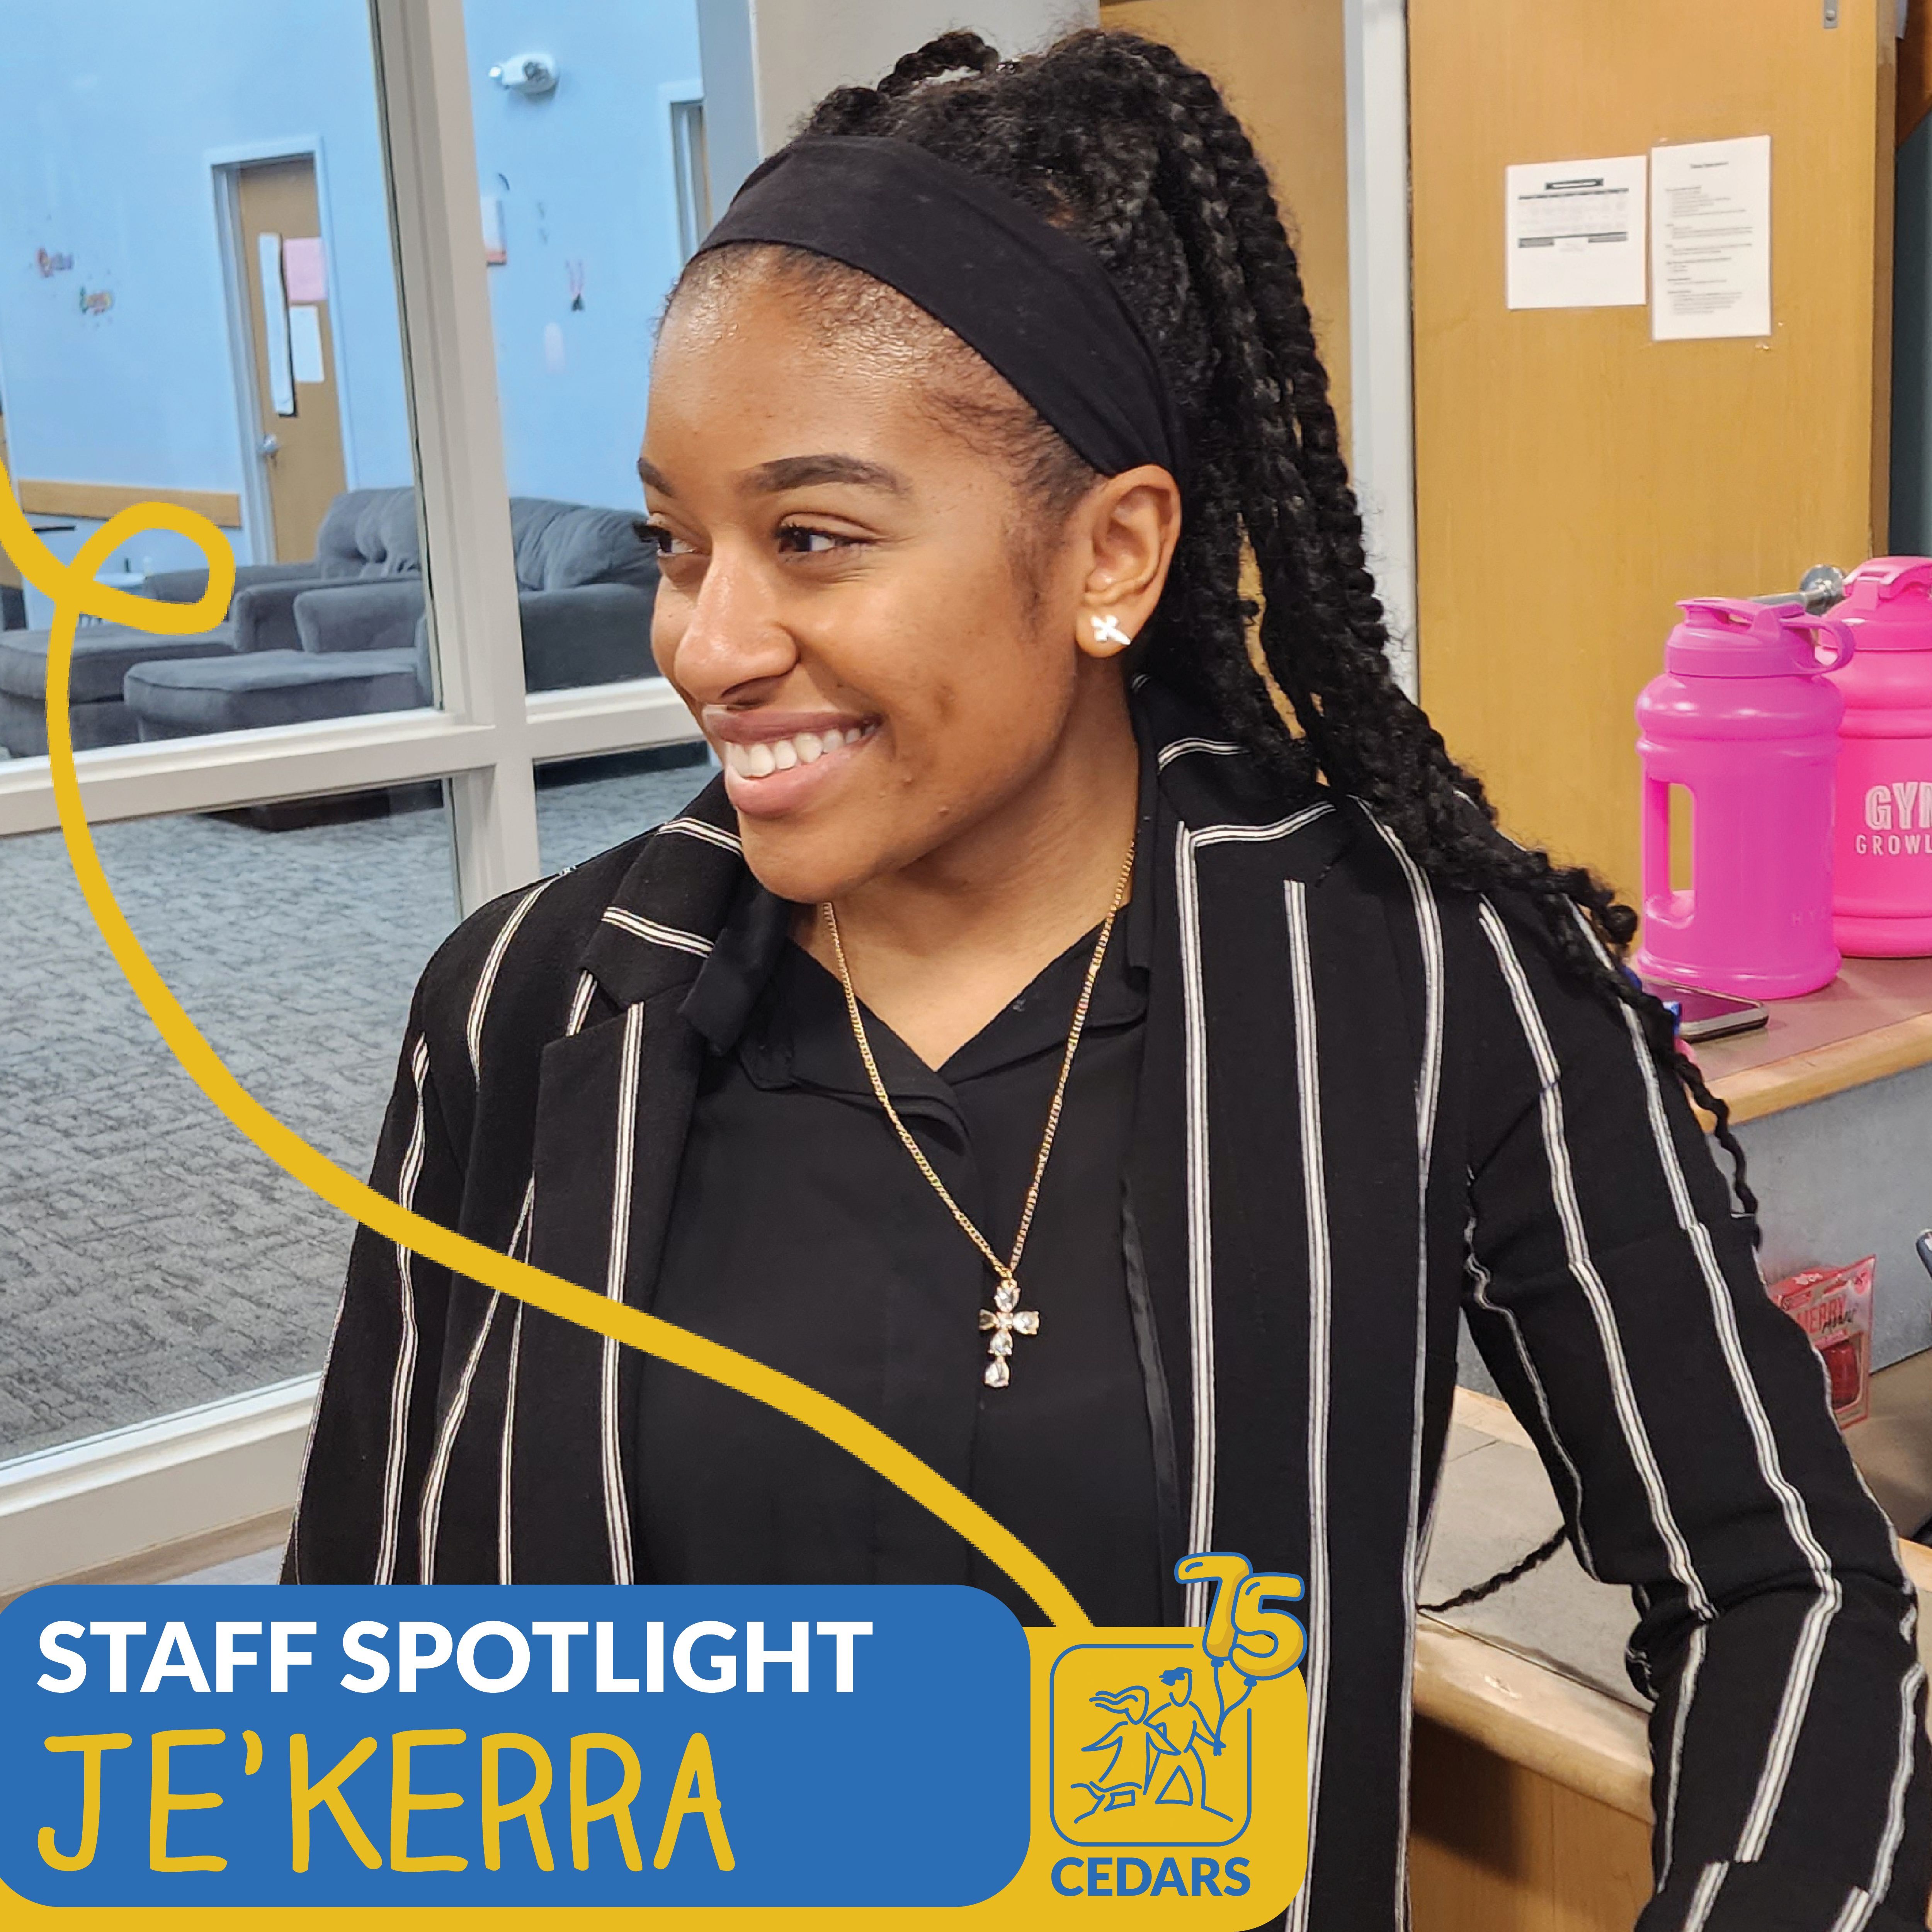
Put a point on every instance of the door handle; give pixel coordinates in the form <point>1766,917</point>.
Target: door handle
<point>268,445</point>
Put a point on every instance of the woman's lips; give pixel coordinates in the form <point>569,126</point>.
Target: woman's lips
<point>765,777</point>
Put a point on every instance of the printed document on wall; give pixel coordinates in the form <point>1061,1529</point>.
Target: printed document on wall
<point>1574,233</point>
<point>1710,225</point>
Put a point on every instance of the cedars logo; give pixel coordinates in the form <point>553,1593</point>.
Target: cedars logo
<point>1152,1743</point>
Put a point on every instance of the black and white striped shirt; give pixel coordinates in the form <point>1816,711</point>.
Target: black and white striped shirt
<point>1372,1106</point>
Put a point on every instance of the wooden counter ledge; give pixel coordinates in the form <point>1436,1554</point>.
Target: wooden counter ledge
<point>1529,1714</point>
<point>1874,1020</point>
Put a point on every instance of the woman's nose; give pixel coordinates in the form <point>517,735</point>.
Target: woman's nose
<point>732,636</point>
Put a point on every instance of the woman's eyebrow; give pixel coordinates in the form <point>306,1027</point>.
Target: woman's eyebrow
<point>799,472</point>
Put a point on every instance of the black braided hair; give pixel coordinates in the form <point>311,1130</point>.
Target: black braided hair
<point>1477,1593</point>
<point>1116,139</point>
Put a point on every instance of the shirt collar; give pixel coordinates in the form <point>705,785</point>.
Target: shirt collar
<point>742,958</point>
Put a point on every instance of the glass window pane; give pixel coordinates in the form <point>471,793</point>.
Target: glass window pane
<point>586,806</point>
<point>198,302</point>
<point>589,152</point>
<point>151,1259</point>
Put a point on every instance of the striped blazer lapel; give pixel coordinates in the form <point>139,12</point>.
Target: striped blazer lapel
<point>1295,1053</point>
<point>457,1516</point>
<point>1257,1252</point>
<point>613,1104</point>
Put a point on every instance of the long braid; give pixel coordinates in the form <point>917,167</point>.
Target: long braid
<point>1118,139</point>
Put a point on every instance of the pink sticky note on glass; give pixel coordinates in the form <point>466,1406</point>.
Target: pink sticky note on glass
<point>304,274</point>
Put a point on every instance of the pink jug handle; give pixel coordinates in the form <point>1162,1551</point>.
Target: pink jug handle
<point>1655,867</point>
<point>1843,641</point>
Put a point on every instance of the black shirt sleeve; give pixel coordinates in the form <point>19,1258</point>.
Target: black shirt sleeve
<point>1686,1425</point>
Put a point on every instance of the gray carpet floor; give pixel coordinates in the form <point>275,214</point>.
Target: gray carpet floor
<point>150,1258</point>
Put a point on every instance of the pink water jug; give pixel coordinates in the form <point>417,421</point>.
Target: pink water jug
<point>1881,890</point>
<point>1744,719</point>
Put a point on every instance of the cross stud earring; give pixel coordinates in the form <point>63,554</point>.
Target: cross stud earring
<point>1107,631</point>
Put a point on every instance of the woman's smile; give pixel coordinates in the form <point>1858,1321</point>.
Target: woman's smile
<point>775,761</point>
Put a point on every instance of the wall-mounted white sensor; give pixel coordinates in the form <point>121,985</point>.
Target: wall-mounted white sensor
<point>526,73</point>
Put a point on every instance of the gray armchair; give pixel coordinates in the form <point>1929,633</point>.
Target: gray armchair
<point>593,633</point>
<point>332,618</point>
<point>368,536</point>
<point>587,582</point>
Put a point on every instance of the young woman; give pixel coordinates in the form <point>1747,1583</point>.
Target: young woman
<point>964,426</point>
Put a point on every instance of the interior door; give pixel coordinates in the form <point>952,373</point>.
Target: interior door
<point>298,418</point>
<point>1574,477</point>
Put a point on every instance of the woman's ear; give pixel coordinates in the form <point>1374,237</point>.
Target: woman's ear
<point>1132,524</point>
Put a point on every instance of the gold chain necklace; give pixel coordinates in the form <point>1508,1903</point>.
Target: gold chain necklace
<point>1006,1318</point>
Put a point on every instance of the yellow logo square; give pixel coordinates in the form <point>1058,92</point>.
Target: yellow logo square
<point>1151,1744</point>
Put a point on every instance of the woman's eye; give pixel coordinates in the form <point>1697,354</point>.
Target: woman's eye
<point>802,540</point>
<point>667,542</point>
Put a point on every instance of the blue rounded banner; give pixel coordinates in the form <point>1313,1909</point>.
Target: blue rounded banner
<point>517,1745</point>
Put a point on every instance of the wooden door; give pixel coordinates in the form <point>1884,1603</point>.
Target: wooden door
<point>1573,478</point>
<point>298,428</point>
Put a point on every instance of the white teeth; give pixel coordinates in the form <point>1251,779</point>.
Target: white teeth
<point>760,760</point>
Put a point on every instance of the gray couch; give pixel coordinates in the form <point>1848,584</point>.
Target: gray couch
<point>586,584</point>
<point>368,536</point>
<point>345,635</point>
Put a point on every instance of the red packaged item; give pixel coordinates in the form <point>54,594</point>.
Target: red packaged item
<point>1833,1306</point>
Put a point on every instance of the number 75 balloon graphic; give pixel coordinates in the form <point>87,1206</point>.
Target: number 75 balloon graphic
<point>1243,1635</point>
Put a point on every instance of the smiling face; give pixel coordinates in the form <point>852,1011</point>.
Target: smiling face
<point>860,603</point>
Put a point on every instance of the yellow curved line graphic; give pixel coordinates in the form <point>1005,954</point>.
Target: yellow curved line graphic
<point>73,591</point>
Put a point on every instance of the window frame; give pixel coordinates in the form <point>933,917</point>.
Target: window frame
<point>486,736</point>
<point>155,1499</point>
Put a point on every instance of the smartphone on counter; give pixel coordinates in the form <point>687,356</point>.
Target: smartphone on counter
<point>1702,1015</point>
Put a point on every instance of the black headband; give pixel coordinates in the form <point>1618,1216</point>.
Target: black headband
<point>1035,302</point>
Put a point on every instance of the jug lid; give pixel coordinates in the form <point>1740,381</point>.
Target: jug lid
<point>1734,637</point>
<point>1889,601</point>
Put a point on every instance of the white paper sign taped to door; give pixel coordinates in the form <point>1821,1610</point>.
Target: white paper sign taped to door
<point>1711,239</point>
<point>305,342</point>
<point>1573,231</point>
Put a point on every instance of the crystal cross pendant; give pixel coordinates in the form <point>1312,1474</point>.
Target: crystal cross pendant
<point>1005,1319</point>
